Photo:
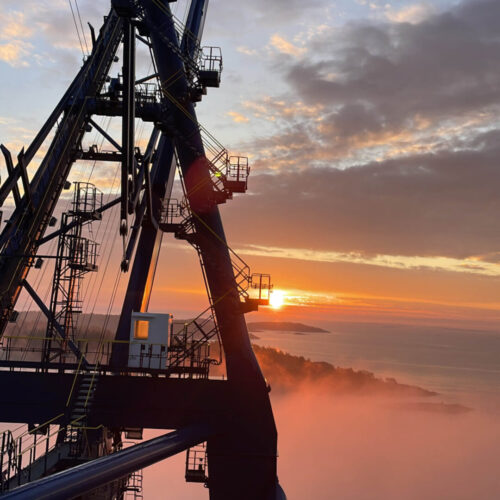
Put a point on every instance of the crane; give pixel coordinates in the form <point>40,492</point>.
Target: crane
<point>81,397</point>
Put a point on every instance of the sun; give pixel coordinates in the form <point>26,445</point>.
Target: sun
<point>277,299</point>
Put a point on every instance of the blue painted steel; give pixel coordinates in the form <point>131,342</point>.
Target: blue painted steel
<point>105,135</point>
<point>241,362</point>
<point>59,329</point>
<point>10,171</point>
<point>86,477</point>
<point>195,23</point>
<point>243,459</point>
<point>147,253</point>
<point>21,236</point>
<point>148,247</point>
<point>128,123</point>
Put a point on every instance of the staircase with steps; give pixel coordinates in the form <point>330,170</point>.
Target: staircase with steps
<point>253,288</point>
<point>189,349</point>
<point>38,451</point>
<point>203,65</point>
<point>83,399</point>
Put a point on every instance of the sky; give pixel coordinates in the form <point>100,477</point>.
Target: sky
<point>373,137</point>
<point>372,134</point>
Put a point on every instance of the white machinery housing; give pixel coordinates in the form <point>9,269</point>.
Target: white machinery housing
<point>149,334</point>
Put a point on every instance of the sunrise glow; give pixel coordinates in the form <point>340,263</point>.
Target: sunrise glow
<point>277,299</point>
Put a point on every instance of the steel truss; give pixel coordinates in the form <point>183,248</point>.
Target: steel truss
<point>233,417</point>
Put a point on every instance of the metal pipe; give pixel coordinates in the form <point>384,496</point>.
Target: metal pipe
<point>89,476</point>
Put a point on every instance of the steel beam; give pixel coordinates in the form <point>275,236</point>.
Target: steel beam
<point>24,177</point>
<point>66,228</point>
<point>10,170</point>
<point>247,450</point>
<point>89,476</point>
<point>120,401</point>
<point>57,327</point>
<point>148,250</point>
<point>51,176</point>
<point>105,135</point>
<point>128,121</point>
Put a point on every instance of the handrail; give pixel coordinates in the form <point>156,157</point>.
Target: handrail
<point>88,476</point>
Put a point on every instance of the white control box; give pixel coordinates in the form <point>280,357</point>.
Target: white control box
<point>149,333</point>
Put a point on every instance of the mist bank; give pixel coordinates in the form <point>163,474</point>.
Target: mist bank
<point>284,372</point>
<point>287,373</point>
<point>369,448</point>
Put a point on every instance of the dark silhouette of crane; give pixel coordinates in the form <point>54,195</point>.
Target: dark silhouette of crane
<point>80,397</point>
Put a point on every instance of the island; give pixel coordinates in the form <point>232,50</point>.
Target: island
<point>283,326</point>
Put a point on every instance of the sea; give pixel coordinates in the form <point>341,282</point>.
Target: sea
<point>366,448</point>
<point>461,365</point>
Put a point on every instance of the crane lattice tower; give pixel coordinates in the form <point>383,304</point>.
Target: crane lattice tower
<point>81,396</point>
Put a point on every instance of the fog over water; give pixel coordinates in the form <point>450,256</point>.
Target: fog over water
<point>463,365</point>
<point>381,446</point>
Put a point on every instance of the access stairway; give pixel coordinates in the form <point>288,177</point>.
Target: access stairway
<point>254,288</point>
<point>203,65</point>
<point>189,349</point>
<point>83,400</point>
<point>228,174</point>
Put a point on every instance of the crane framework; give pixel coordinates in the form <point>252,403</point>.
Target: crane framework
<point>79,397</point>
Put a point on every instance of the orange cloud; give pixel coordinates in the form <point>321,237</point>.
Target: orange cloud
<point>13,53</point>
<point>285,47</point>
<point>468,265</point>
<point>238,117</point>
<point>14,26</point>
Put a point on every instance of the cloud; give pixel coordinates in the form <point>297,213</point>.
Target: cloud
<point>49,26</point>
<point>388,89</point>
<point>371,91</point>
<point>413,14</point>
<point>273,109</point>
<point>440,68</point>
<point>398,155</point>
<point>15,53</point>
<point>237,117</point>
<point>285,47</point>
<point>14,31</point>
<point>18,27</point>
<point>430,204</point>
<point>282,11</point>
<point>14,26</point>
<point>245,50</point>
<point>467,265</point>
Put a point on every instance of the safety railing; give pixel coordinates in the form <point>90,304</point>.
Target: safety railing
<point>24,447</point>
<point>187,346</point>
<point>197,464</point>
<point>190,347</point>
<point>87,200</point>
<point>178,218</point>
